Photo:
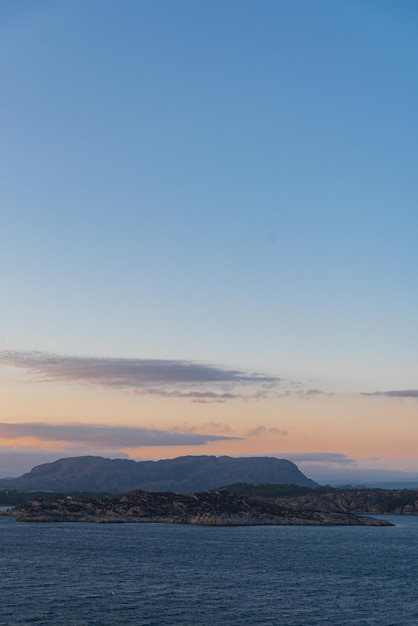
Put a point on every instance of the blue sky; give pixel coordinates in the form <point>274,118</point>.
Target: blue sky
<point>229,183</point>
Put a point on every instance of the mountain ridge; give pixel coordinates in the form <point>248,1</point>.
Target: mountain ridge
<point>183,474</point>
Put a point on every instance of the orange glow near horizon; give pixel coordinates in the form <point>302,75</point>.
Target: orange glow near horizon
<point>358,426</point>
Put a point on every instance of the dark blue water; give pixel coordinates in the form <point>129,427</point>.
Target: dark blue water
<point>156,575</point>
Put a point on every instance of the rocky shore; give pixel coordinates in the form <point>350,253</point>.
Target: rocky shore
<point>209,508</point>
<point>369,501</point>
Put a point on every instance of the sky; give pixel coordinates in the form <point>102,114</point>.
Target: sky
<point>208,232</point>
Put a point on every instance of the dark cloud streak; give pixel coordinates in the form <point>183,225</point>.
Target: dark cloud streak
<point>101,435</point>
<point>396,393</point>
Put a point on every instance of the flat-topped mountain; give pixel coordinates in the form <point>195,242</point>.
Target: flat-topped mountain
<point>211,508</point>
<point>185,474</point>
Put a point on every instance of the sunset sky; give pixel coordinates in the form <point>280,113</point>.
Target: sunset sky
<point>208,235</point>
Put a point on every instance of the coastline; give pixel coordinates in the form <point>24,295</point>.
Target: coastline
<point>211,508</point>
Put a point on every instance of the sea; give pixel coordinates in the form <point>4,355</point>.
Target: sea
<point>166,574</point>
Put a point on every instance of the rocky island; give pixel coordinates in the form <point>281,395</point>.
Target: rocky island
<point>209,508</point>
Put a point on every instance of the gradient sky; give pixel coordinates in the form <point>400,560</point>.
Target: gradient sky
<point>208,234</point>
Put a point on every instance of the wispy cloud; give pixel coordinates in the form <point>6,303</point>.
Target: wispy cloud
<point>262,430</point>
<point>163,378</point>
<point>194,396</point>
<point>309,394</point>
<point>105,436</point>
<point>396,393</point>
<point>214,428</point>
<point>320,457</point>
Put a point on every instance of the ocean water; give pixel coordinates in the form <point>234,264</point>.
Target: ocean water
<point>157,574</point>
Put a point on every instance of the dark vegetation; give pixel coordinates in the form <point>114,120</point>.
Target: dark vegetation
<point>12,497</point>
<point>326,498</point>
<point>275,490</point>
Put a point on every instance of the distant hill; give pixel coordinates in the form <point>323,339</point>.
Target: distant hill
<point>328,499</point>
<point>185,474</point>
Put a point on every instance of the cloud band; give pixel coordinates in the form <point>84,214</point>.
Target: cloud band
<point>101,435</point>
<point>159,377</point>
